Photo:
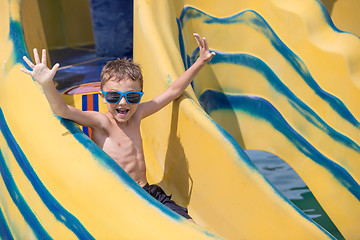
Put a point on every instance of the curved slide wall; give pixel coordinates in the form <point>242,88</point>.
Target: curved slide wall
<point>54,182</point>
<point>57,184</point>
<point>269,86</point>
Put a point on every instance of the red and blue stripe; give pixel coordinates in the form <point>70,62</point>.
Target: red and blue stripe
<point>90,102</point>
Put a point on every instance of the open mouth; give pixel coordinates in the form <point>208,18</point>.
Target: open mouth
<point>122,111</point>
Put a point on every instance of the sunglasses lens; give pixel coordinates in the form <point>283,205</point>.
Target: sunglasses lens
<point>133,97</point>
<point>112,97</point>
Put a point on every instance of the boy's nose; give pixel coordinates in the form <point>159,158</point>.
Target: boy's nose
<point>122,100</point>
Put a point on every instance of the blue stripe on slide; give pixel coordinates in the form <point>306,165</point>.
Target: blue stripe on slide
<point>96,102</point>
<point>84,107</point>
<point>20,202</point>
<point>5,232</point>
<point>86,131</point>
<point>270,77</point>
<point>258,23</point>
<point>260,108</point>
<point>54,206</point>
<point>84,102</point>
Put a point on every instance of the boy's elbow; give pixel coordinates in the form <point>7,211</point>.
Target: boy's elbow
<point>174,92</point>
<point>177,95</point>
<point>62,112</point>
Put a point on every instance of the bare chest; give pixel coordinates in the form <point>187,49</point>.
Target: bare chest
<point>123,144</point>
<point>123,141</point>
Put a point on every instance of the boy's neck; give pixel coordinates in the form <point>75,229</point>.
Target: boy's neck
<point>109,115</point>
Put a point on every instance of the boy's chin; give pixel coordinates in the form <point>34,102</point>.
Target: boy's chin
<point>120,118</point>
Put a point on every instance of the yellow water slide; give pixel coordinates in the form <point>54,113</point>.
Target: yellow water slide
<point>55,183</point>
<point>262,91</point>
<point>284,80</point>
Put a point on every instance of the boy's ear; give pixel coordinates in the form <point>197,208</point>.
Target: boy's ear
<point>102,96</point>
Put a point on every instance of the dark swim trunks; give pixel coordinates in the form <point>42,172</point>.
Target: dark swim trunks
<point>160,195</point>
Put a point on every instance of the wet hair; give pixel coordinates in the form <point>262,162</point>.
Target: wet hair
<point>119,69</point>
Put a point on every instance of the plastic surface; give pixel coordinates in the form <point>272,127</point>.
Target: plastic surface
<point>56,183</point>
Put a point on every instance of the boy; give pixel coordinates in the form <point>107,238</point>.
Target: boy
<point>117,132</point>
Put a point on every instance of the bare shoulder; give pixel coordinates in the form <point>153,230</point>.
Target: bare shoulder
<point>102,119</point>
<point>143,110</point>
<point>146,109</point>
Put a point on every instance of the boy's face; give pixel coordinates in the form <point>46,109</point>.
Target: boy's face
<point>121,111</point>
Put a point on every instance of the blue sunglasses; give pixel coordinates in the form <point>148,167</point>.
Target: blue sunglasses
<point>114,97</point>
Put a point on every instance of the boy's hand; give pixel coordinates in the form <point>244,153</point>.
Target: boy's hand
<point>40,72</point>
<point>205,55</point>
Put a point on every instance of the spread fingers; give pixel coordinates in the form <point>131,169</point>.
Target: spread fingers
<point>43,57</point>
<point>199,40</point>
<point>36,56</point>
<point>28,62</point>
<point>25,71</point>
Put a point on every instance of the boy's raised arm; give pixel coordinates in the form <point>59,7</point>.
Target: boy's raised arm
<point>44,76</point>
<point>180,84</point>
